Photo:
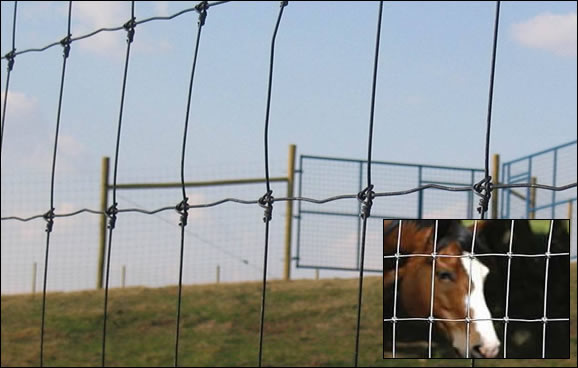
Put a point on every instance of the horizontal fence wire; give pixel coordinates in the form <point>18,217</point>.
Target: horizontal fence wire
<point>485,186</point>
<point>509,255</point>
<point>503,319</point>
<point>296,199</point>
<point>12,54</point>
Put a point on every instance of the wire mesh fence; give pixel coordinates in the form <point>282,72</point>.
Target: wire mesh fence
<point>518,259</point>
<point>328,236</point>
<point>550,166</point>
<point>225,241</point>
<point>262,204</point>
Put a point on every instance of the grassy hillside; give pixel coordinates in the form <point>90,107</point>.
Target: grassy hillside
<point>309,323</point>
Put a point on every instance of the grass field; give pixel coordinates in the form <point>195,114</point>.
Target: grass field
<point>308,323</point>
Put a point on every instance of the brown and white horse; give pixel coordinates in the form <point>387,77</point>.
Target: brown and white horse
<point>451,285</point>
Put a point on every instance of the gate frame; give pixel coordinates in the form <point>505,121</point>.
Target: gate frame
<point>361,163</point>
<point>527,177</point>
<point>105,186</point>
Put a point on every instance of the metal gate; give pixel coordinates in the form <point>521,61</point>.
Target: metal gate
<point>554,166</point>
<point>328,235</point>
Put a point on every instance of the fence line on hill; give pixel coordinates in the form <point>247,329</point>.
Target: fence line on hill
<point>483,189</point>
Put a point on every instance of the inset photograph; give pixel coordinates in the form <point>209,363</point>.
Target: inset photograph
<point>477,288</point>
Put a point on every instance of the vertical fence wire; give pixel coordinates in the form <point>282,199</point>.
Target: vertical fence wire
<point>267,200</point>
<point>431,318</point>
<point>484,188</point>
<point>545,318</point>
<point>182,207</point>
<point>491,89</point>
<point>49,216</point>
<point>468,316</point>
<point>366,196</point>
<point>10,58</point>
<point>395,280</point>
<point>112,211</point>
<point>506,311</point>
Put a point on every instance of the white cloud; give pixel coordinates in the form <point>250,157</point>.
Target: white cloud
<point>551,32</point>
<point>19,103</point>
<point>30,138</point>
<point>162,8</point>
<point>26,128</point>
<point>92,15</point>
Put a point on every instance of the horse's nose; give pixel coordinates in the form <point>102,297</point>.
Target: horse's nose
<point>486,351</point>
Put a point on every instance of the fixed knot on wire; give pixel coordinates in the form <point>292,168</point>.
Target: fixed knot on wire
<point>483,189</point>
<point>111,214</point>
<point>366,198</point>
<point>129,27</point>
<point>49,218</point>
<point>65,42</point>
<point>267,203</point>
<point>284,3</point>
<point>10,57</point>
<point>201,8</point>
<point>182,208</point>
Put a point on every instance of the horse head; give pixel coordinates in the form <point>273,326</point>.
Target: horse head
<point>453,292</point>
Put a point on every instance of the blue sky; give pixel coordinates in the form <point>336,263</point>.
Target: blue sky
<point>431,98</point>
<point>430,108</point>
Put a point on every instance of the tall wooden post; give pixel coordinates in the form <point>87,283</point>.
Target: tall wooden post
<point>289,211</point>
<point>123,276</point>
<point>102,225</point>
<point>34,276</point>
<point>495,180</point>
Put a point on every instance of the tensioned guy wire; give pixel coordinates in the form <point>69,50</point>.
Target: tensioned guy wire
<point>203,240</point>
<point>49,216</point>
<point>10,57</point>
<point>183,207</point>
<point>366,196</point>
<point>267,200</point>
<point>112,210</point>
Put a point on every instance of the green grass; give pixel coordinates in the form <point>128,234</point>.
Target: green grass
<point>308,323</point>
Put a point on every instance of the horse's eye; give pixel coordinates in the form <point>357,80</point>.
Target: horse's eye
<point>445,275</point>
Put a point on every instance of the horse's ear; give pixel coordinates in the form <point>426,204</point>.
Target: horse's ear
<point>481,226</point>
<point>424,238</point>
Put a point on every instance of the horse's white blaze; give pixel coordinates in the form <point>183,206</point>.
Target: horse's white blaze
<point>489,344</point>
